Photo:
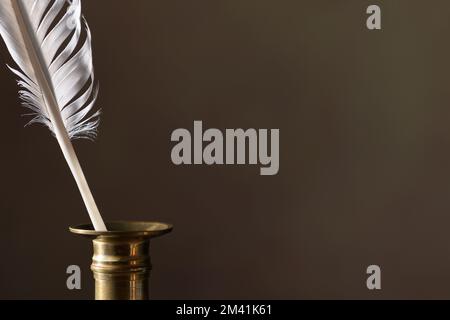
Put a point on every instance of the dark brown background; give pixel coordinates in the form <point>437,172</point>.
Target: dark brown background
<point>365,151</point>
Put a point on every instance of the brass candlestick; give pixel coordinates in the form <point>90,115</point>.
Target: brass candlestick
<point>121,261</point>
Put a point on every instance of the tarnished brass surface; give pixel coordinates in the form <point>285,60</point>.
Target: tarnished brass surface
<point>121,262</point>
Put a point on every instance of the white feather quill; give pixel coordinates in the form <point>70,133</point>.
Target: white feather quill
<point>50,42</point>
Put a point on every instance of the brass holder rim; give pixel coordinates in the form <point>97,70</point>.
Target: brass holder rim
<point>119,228</point>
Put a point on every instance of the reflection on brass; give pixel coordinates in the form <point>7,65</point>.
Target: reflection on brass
<point>121,262</point>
